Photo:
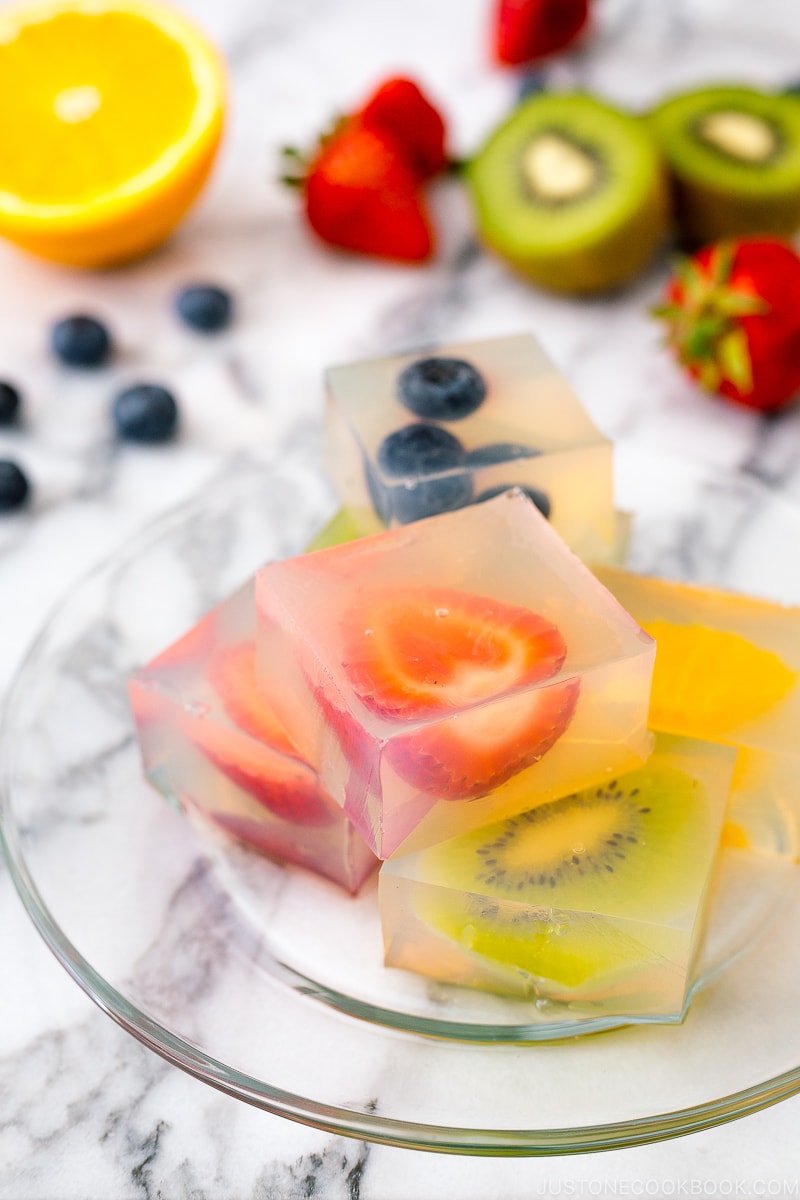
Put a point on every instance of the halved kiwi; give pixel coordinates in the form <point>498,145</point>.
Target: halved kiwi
<point>585,889</point>
<point>734,155</point>
<point>572,192</point>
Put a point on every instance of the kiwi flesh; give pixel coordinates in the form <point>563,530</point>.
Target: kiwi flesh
<point>584,892</point>
<point>734,157</point>
<point>572,192</point>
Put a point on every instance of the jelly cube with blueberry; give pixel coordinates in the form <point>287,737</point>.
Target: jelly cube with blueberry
<point>414,435</point>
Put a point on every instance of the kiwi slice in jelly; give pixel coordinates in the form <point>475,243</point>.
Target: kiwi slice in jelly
<point>734,155</point>
<point>572,192</point>
<point>581,889</point>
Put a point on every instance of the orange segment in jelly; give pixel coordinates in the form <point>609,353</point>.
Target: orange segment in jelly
<point>708,681</point>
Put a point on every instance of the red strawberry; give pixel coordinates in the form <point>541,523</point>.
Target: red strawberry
<point>471,754</point>
<point>402,110</point>
<point>526,30</point>
<point>733,320</point>
<point>422,653</point>
<point>362,194</point>
<point>232,674</point>
<point>284,786</point>
<point>270,772</point>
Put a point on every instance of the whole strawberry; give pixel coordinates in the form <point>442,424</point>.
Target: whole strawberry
<point>363,185</point>
<point>401,109</point>
<point>732,315</point>
<point>527,30</point>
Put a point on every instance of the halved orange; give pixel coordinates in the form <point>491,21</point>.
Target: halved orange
<point>111,112</point>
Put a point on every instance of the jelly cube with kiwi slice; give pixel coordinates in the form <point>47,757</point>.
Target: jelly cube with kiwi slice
<point>734,157</point>
<point>212,745</point>
<point>402,444</point>
<point>445,673</point>
<point>572,192</point>
<point>594,901</point>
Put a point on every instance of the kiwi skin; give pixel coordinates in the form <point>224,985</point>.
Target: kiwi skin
<point>618,254</point>
<point>708,209</point>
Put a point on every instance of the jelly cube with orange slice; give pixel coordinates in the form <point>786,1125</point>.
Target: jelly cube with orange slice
<point>452,671</point>
<point>530,430</point>
<point>727,668</point>
<point>594,901</point>
<point>212,745</point>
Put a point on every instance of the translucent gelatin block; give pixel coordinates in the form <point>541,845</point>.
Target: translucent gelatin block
<point>727,668</point>
<point>209,742</point>
<point>419,434</point>
<point>594,901</point>
<point>453,671</point>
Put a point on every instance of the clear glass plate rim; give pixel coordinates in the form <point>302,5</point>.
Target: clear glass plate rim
<point>332,1118</point>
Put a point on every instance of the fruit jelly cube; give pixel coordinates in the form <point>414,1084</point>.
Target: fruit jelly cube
<point>210,743</point>
<point>448,672</point>
<point>530,430</point>
<point>728,669</point>
<point>594,901</point>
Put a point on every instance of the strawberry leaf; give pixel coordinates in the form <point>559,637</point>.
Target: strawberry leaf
<point>702,340</point>
<point>692,279</point>
<point>733,355</point>
<point>740,304</point>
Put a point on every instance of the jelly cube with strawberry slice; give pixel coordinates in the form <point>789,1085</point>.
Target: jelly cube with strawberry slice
<point>211,744</point>
<point>413,435</point>
<point>453,671</point>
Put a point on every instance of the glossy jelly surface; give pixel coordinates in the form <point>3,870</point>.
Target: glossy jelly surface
<point>452,671</point>
<point>211,744</point>
<point>529,430</point>
<point>594,901</point>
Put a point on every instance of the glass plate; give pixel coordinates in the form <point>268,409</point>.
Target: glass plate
<point>238,970</point>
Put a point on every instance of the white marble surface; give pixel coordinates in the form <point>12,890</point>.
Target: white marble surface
<point>85,1111</point>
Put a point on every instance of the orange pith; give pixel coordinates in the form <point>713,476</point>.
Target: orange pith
<point>113,116</point>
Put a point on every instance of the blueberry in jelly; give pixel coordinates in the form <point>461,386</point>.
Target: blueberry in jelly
<point>145,412</point>
<point>424,454</point>
<point>81,341</point>
<point>204,307</point>
<point>10,401</point>
<point>429,497</point>
<point>539,498</point>
<point>499,452</point>
<point>441,389</point>
<point>14,486</point>
<point>420,449</point>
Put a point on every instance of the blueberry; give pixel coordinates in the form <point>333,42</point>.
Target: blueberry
<point>145,413</point>
<point>441,389</point>
<point>14,486</point>
<point>9,404</point>
<point>532,82</point>
<point>499,452</point>
<point>540,499</point>
<point>81,341</point>
<point>426,455</point>
<point>429,497</point>
<point>420,449</point>
<point>204,307</point>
